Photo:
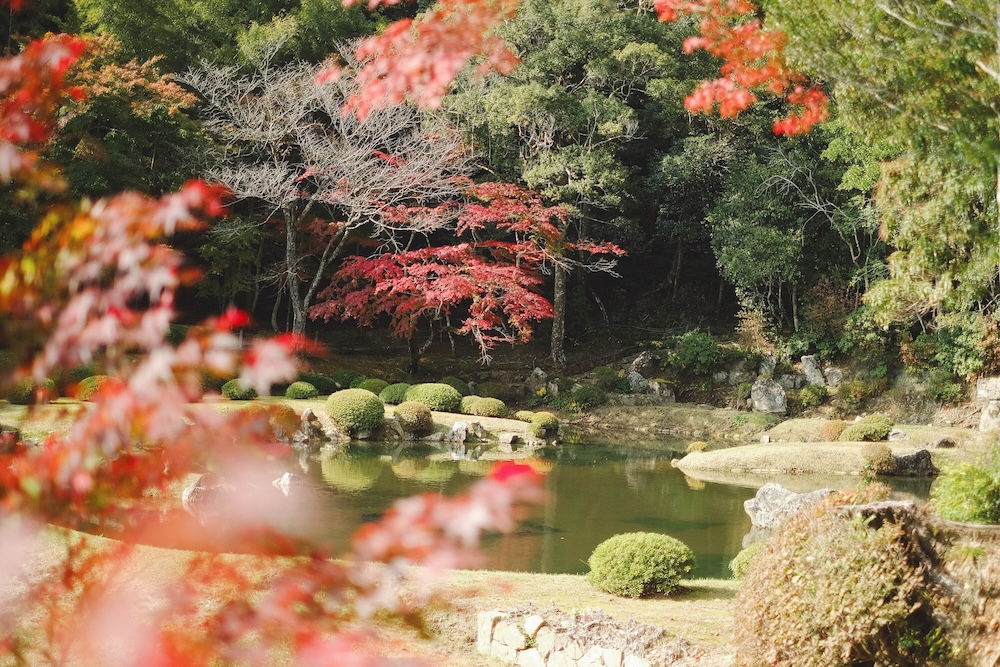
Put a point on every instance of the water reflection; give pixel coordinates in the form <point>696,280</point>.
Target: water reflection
<point>592,493</point>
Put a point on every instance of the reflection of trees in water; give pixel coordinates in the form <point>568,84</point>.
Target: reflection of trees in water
<point>423,471</point>
<point>350,474</point>
<point>475,468</point>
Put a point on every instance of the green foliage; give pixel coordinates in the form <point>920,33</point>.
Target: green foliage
<point>639,564</point>
<point>90,386</point>
<point>324,384</point>
<point>607,378</point>
<point>414,417</point>
<point>831,591</point>
<point>945,387</point>
<point>877,459</point>
<point>544,424</point>
<point>465,405</point>
<point>374,385</point>
<point>812,396</point>
<point>27,392</point>
<point>505,392</point>
<point>853,393</point>
<point>586,397</point>
<point>345,377</point>
<point>741,564</point>
<point>868,341</point>
<point>234,390</point>
<point>524,415</point>
<point>489,407</point>
<point>355,411</point>
<point>79,373</point>
<point>461,385</point>
<point>969,492</point>
<point>870,429</point>
<point>394,394</point>
<point>301,391</point>
<point>358,381</point>
<point>176,333</point>
<point>963,344</point>
<point>435,395</point>
<point>695,354</point>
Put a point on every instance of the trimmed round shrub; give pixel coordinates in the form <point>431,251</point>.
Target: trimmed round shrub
<point>830,429</point>
<point>969,492</point>
<point>90,386</point>
<point>355,411</point>
<point>544,424</point>
<point>436,396</point>
<point>235,391</point>
<point>301,391</point>
<point>344,378</point>
<point>324,384</point>
<point>394,394</point>
<point>635,565</point>
<point>78,374</point>
<point>696,446</point>
<point>414,417</point>
<point>356,382</point>
<point>832,590</point>
<point>465,405</point>
<point>27,392</point>
<point>877,459</point>
<point>524,415</point>
<point>374,385</point>
<point>587,396</point>
<point>740,565</point>
<point>870,429</point>
<point>489,407</point>
<point>458,383</point>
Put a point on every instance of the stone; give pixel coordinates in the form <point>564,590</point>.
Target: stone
<point>552,389</point>
<point>812,370</point>
<point>510,635</point>
<point>573,649</point>
<point>765,438</point>
<point>437,436</point>
<point>635,661</point>
<point>720,377</point>
<point>459,432</point>
<point>645,364</point>
<point>476,429</point>
<point>486,621</point>
<point>612,657</point>
<point>503,652</point>
<point>988,389</point>
<point>311,435</point>
<point>789,382</point>
<point>532,624</point>
<point>560,659</point>
<point>767,366</point>
<point>774,503</point>
<point>592,658</point>
<point>834,376</point>
<point>396,427</point>
<point>545,640</point>
<point>740,377</point>
<point>944,443</point>
<point>529,658</point>
<point>914,464</point>
<point>989,420</point>
<point>637,383</point>
<point>768,396</point>
<point>537,379</point>
<point>895,435</point>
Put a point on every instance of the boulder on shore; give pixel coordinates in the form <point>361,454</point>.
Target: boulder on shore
<point>774,503</point>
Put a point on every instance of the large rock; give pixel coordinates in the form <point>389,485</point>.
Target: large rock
<point>989,419</point>
<point>834,376</point>
<point>767,366</point>
<point>637,383</point>
<point>988,389</point>
<point>812,371</point>
<point>645,364</point>
<point>537,380</point>
<point>914,464</point>
<point>774,503</point>
<point>768,396</point>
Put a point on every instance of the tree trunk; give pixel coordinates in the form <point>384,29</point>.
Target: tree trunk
<point>558,350</point>
<point>291,272</point>
<point>675,271</point>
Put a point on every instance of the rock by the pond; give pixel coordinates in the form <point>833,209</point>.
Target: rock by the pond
<point>812,370</point>
<point>895,435</point>
<point>989,419</point>
<point>637,383</point>
<point>767,366</point>
<point>396,426</point>
<point>537,379</point>
<point>834,376</point>
<point>767,395</point>
<point>914,464</point>
<point>645,364</point>
<point>476,429</point>
<point>459,432</point>
<point>774,503</point>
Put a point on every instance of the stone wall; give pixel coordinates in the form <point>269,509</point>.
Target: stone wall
<point>532,642</point>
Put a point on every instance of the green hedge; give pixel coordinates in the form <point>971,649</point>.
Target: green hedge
<point>355,411</point>
<point>458,383</point>
<point>635,565</point>
<point>324,384</point>
<point>489,407</point>
<point>870,429</point>
<point>414,417</point>
<point>374,385</point>
<point>301,391</point>
<point>435,395</point>
<point>235,391</point>
<point>544,424</point>
<point>394,394</point>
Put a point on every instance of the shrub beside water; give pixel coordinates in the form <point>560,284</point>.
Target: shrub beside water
<point>414,417</point>
<point>489,407</point>
<point>524,415</point>
<point>544,424</point>
<point>740,565</point>
<point>355,411</point>
<point>465,405</point>
<point>394,394</point>
<point>969,492</point>
<point>870,429</point>
<point>877,459</point>
<point>587,396</point>
<point>435,395</point>
<point>635,565</point>
<point>301,391</point>
<point>235,391</point>
<point>344,378</point>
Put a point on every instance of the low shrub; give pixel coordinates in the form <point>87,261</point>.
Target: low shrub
<point>877,459</point>
<point>969,492</point>
<point>394,394</point>
<point>344,378</point>
<point>524,415</point>
<point>324,384</point>
<point>374,385</point>
<point>611,380</point>
<point>830,429</point>
<point>944,387</point>
<point>436,396</point>
<point>695,353</point>
<point>88,387</point>
<point>28,392</point>
<point>355,411</point>
<point>458,383</point>
<point>414,417</point>
<point>544,424</point>
<point>489,407</point>
<point>812,396</point>
<point>587,396</point>
<point>831,591</point>
<point>234,390</point>
<point>635,565</point>
<point>78,374</point>
<point>870,429</point>
<point>301,391</point>
<point>696,446</point>
<point>283,418</point>
<point>358,381</point>
<point>465,405</point>
<point>740,565</point>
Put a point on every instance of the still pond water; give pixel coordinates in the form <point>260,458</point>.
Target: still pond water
<point>593,492</point>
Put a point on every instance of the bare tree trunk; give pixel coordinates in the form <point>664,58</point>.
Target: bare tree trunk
<point>558,350</point>
<point>675,271</point>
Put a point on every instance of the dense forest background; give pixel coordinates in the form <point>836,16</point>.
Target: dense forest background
<point>869,240</point>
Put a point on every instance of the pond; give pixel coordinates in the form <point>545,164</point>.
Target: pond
<point>593,492</point>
